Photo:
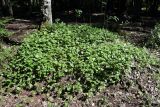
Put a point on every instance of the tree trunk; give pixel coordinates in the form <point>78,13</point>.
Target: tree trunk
<point>7,7</point>
<point>30,7</point>
<point>48,10</point>
<point>3,3</point>
<point>137,4</point>
<point>10,8</point>
<point>153,7</point>
<point>110,7</point>
<point>122,7</point>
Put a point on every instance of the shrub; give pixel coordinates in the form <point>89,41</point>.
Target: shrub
<point>4,20</point>
<point>154,40</point>
<point>5,54</point>
<point>3,31</point>
<point>72,59</point>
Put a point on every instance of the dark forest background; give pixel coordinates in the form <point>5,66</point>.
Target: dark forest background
<point>66,9</point>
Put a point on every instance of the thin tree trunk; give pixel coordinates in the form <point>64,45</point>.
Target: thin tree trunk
<point>30,7</point>
<point>137,4</point>
<point>122,7</point>
<point>10,9</point>
<point>48,10</point>
<point>154,7</point>
<point>3,3</point>
<point>110,7</point>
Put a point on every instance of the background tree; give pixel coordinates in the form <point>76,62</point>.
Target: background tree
<point>7,7</point>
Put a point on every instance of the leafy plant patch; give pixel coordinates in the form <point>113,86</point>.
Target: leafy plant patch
<point>3,31</point>
<point>4,20</point>
<point>5,55</point>
<point>72,59</point>
<point>154,40</point>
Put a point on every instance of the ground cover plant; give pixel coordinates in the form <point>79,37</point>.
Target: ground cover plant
<point>3,31</point>
<point>70,60</point>
<point>4,53</point>
<point>4,20</point>
<point>154,40</point>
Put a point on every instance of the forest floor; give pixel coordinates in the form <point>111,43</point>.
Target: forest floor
<point>140,88</point>
<point>19,29</point>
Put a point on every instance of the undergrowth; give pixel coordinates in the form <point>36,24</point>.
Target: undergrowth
<point>154,40</point>
<point>72,59</point>
<point>3,31</point>
<point>5,55</point>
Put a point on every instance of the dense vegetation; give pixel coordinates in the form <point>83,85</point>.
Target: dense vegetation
<point>154,40</point>
<point>65,63</point>
<point>5,54</point>
<point>3,31</point>
<point>72,59</point>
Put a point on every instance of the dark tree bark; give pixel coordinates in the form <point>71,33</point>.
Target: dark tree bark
<point>7,7</point>
<point>9,4</point>
<point>122,7</point>
<point>153,7</point>
<point>110,8</point>
<point>137,5</point>
<point>3,2</point>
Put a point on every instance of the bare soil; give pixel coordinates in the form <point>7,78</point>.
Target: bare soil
<point>19,29</point>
